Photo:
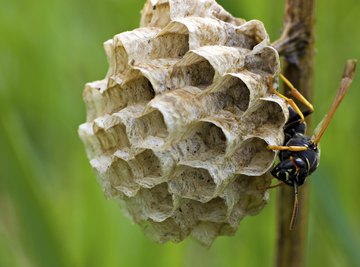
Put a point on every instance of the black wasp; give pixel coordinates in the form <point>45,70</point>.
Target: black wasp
<point>300,154</point>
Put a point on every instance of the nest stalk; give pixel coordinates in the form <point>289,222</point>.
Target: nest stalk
<point>297,46</point>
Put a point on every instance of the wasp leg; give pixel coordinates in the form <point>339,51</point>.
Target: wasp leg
<point>297,94</point>
<point>271,186</point>
<point>289,100</point>
<point>289,148</point>
<point>275,185</point>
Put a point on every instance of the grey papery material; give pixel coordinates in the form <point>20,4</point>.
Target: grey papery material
<point>177,132</point>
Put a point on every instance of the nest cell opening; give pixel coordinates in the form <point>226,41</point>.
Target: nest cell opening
<point>152,205</point>
<point>191,146</point>
<point>170,45</point>
<point>251,204</point>
<point>199,73</point>
<point>149,163</point>
<point>253,158</point>
<point>185,213</point>
<point>193,183</point>
<point>158,202</point>
<point>113,138</point>
<point>267,117</point>
<point>152,124</point>
<point>164,231</point>
<point>213,211</point>
<point>249,184</point>
<point>121,178</point>
<point>113,98</point>
<point>234,95</point>
<point>206,232</point>
<point>246,41</point>
<point>138,90</point>
<point>192,212</point>
<point>213,136</point>
<point>264,61</point>
<point>251,34</point>
<point>213,139</point>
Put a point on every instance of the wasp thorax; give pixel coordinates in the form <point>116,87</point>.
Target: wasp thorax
<point>178,129</point>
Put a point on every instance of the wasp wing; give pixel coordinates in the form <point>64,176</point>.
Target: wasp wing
<point>345,83</point>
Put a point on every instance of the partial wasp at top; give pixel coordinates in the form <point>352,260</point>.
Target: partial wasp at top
<point>300,154</point>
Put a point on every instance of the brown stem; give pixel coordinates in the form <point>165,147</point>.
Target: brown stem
<point>297,46</point>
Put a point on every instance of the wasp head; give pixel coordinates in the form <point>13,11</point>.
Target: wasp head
<point>290,171</point>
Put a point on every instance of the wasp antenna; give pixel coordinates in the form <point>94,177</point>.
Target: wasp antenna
<point>296,207</point>
<point>347,78</point>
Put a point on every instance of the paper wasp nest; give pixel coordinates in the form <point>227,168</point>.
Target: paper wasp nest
<point>178,129</point>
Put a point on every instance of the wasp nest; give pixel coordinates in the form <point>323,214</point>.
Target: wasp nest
<point>178,129</point>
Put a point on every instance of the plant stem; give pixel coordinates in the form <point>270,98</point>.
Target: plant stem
<point>297,46</point>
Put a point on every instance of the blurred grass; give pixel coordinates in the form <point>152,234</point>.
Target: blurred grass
<point>52,212</point>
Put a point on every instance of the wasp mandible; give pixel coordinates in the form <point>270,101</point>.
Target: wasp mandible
<point>300,154</point>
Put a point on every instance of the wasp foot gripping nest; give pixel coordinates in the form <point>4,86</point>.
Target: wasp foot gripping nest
<point>178,130</point>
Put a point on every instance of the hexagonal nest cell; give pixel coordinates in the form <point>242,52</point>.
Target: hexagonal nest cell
<point>178,130</point>
<point>195,71</point>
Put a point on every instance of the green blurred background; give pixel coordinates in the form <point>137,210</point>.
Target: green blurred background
<point>52,211</point>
